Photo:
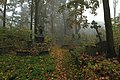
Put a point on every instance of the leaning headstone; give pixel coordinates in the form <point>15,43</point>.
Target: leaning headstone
<point>91,50</point>
<point>102,46</point>
<point>40,39</point>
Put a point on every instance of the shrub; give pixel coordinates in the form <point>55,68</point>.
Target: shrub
<point>14,37</point>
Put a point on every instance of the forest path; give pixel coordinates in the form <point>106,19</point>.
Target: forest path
<point>58,53</point>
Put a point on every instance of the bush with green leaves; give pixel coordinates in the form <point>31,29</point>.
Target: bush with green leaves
<point>116,32</point>
<point>15,37</point>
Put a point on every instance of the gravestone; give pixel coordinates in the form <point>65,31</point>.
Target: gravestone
<point>91,50</point>
<point>102,46</point>
<point>39,39</point>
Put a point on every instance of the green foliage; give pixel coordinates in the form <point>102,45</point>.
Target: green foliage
<point>46,46</point>
<point>42,47</point>
<point>70,65</point>
<point>45,67</point>
<point>67,40</point>
<point>116,33</point>
<point>91,68</point>
<point>116,36</point>
<point>79,50</point>
<point>22,68</point>
<point>76,11</point>
<point>15,37</point>
<point>48,40</point>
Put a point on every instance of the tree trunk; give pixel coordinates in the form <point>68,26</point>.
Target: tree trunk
<point>114,7</point>
<point>31,23</point>
<point>4,15</point>
<point>52,24</point>
<point>75,23</point>
<point>36,16</point>
<point>52,19</point>
<point>37,20</point>
<point>64,22</point>
<point>38,27</point>
<point>109,33</point>
<point>100,39</point>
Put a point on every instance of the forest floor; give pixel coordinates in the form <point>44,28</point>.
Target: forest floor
<point>58,53</point>
<point>90,68</point>
<point>58,65</point>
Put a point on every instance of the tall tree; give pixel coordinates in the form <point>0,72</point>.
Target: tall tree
<point>36,17</point>
<point>52,14</point>
<point>64,22</point>
<point>36,14</point>
<point>31,22</point>
<point>39,19</point>
<point>109,33</point>
<point>4,14</point>
<point>114,7</point>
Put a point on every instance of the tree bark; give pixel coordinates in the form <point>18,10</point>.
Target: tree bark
<point>4,15</point>
<point>100,39</point>
<point>38,27</point>
<point>52,18</point>
<point>64,22</point>
<point>31,23</point>
<point>36,16</point>
<point>109,32</point>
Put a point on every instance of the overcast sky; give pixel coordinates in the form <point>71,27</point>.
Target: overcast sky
<point>100,15</point>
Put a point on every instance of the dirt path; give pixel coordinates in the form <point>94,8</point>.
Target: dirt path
<point>57,52</point>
